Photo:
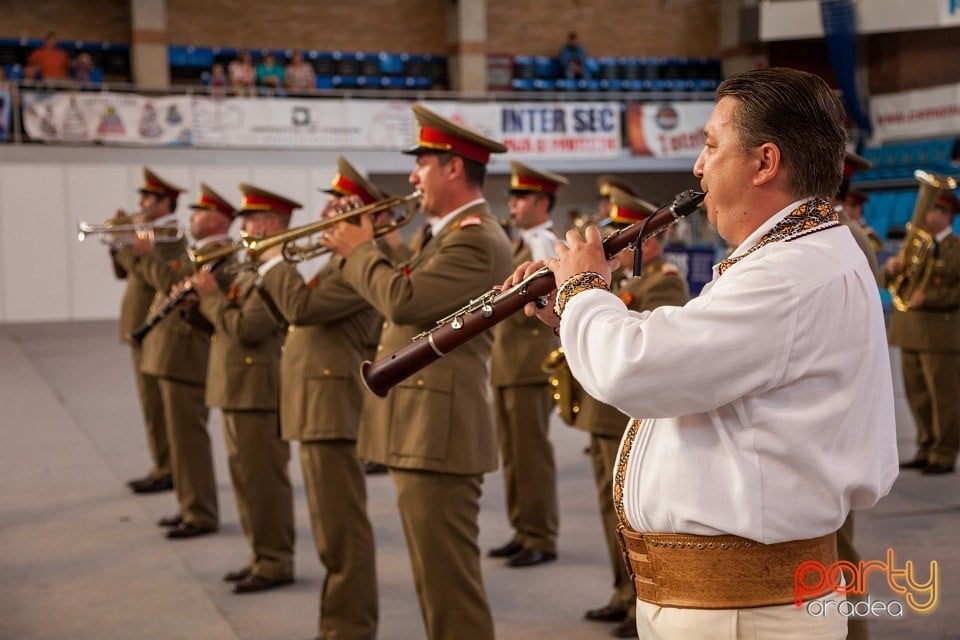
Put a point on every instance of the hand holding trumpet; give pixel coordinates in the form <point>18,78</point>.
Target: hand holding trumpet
<point>343,237</point>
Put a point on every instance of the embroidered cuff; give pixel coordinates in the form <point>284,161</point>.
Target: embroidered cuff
<point>576,284</point>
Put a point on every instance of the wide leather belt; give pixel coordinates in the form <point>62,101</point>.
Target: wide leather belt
<point>720,572</point>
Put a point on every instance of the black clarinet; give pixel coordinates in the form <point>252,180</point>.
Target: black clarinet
<point>169,304</point>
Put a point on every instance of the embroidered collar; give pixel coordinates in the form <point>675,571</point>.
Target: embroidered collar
<point>810,217</point>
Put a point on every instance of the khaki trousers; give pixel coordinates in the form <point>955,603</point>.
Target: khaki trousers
<point>931,381</point>
<point>784,622</point>
<point>191,455</point>
<point>439,515</point>
<point>148,390</point>
<point>337,497</point>
<point>258,461</point>
<point>529,468</point>
<point>603,455</point>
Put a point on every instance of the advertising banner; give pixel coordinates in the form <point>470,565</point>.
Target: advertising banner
<point>285,123</point>
<point>109,118</point>
<point>924,113</point>
<point>667,129</point>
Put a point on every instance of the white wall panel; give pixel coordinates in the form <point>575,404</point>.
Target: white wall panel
<point>34,251</point>
<point>94,193</point>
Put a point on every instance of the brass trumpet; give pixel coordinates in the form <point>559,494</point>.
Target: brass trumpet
<point>293,252</point>
<point>201,259</point>
<point>124,228</point>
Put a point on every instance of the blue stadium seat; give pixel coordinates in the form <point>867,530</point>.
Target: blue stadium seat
<point>391,64</point>
<point>344,81</point>
<point>324,82</point>
<point>522,84</point>
<point>546,68</point>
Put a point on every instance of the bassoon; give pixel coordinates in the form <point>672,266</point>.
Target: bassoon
<point>497,305</point>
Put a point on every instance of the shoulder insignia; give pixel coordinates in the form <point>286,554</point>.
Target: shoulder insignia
<point>470,221</point>
<point>233,293</point>
<point>405,270</point>
<point>627,298</point>
<point>313,282</point>
<point>174,265</point>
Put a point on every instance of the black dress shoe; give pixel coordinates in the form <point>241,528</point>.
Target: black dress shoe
<point>254,583</point>
<point>916,463</point>
<point>626,629</point>
<point>608,613</point>
<point>169,521</point>
<point>512,548</point>
<point>187,530</point>
<point>936,469</point>
<point>236,576</point>
<point>151,485</point>
<point>531,557</point>
<point>373,468</point>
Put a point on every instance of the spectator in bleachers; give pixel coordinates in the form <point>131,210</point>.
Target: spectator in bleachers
<point>299,75</point>
<point>48,62</point>
<point>270,74</point>
<point>243,75</point>
<point>82,68</point>
<point>573,59</point>
<point>218,81</point>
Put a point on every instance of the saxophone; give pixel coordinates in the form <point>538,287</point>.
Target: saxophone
<point>916,251</point>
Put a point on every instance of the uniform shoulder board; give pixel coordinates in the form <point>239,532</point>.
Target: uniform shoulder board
<point>313,282</point>
<point>627,298</point>
<point>470,221</point>
<point>669,268</point>
<point>233,293</point>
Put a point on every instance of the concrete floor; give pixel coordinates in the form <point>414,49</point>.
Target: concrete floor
<point>83,558</point>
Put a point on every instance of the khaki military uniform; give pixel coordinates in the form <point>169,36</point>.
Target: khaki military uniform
<point>435,429</point>
<point>863,240</point>
<point>134,307</point>
<point>929,340</point>
<point>175,353</point>
<point>523,405</point>
<point>243,380</point>
<point>661,285</point>
<point>321,393</point>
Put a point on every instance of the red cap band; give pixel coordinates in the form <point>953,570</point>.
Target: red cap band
<point>436,139</point>
<point>347,187</point>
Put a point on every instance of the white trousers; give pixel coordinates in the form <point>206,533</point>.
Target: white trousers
<point>784,622</point>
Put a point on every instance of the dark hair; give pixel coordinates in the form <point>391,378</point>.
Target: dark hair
<point>798,112</point>
<point>475,172</point>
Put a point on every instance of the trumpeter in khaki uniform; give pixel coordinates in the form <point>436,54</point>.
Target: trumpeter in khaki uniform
<point>660,284</point>
<point>244,382</point>
<point>928,335</point>
<point>158,204</point>
<point>176,352</point>
<point>435,430</point>
<point>521,389</point>
<point>331,329</point>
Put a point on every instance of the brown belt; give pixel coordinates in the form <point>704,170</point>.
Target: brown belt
<point>719,572</point>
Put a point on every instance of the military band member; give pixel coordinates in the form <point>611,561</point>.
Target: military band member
<point>660,284</point>
<point>928,335</point>
<point>158,206</point>
<point>853,205</point>
<point>176,351</point>
<point>321,394</point>
<point>243,382</point>
<point>852,163</point>
<point>435,430</point>
<point>521,389</point>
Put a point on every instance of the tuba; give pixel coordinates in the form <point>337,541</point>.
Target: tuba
<point>566,390</point>
<point>916,251</point>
